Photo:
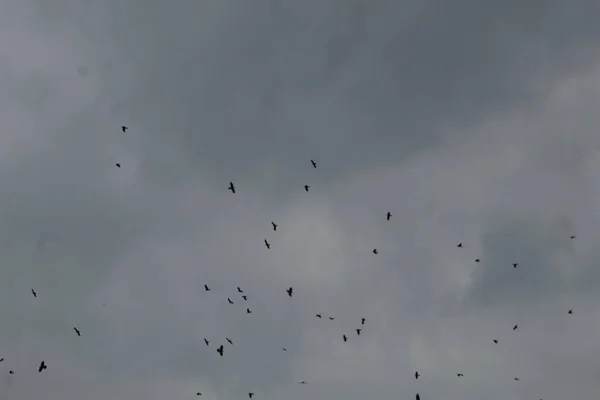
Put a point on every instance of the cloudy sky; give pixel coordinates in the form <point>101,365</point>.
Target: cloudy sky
<point>470,121</point>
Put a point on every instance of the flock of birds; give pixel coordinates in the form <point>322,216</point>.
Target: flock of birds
<point>290,291</point>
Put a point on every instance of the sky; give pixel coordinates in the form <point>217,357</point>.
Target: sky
<point>469,121</point>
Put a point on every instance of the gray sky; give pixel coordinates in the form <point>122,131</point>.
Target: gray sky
<point>470,121</point>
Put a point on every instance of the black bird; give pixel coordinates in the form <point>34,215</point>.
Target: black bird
<point>302,382</point>
<point>290,291</point>
<point>417,375</point>
<point>345,338</point>
<point>77,331</point>
<point>1,359</point>
<point>11,372</point>
<point>248,311</point>
<point>389,215</point>
<point>229,340</point>
<point>42,366</point>
<point>572,237</point>
<point>198,394</point>
<point>314,164</point>
<point>459,245</point>
<point>118,165</point>
<point>124,128</point>
<point>517,379</point>
<point>229,300</point>
<point>375,251</point>
<point>363,321</point>
<point>34,293</point>
<point>245,298</point>
<point>284,349</point>
<point>274,225</point>
<point>267,244</point>
<point>231,187</point>
<point>515,327</point>
<point>331,318</point>
<point>515,265</point>
<point>459,375</point>
<point>477,260</point>
<point>250,395</point>
<point>319,316</point>
<point>418,397</point>
<point>358,331</point>
<point>206,288</point>
<point>206,341</point>
<point>570,311</point>
<point>220,350</point>
<point>240,290</point>
<point>306,187</point>
<point>495,341</point>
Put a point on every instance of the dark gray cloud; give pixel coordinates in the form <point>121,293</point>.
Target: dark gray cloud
<point>469,122</point>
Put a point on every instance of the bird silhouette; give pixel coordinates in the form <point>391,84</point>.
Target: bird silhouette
<point>363,321</point>
<point>11,372</point>
<point>77,331</point>
<point>302,382</point>
<point>267,244</point>
<point>124,128</point>
<point>290,291</point>
<point>306,187</point>
<point>319,316</point>
<point>517,379</point>
<point>570,311</point>
<point>572,237</point>
<point>345,338</point>
<point>229,300</point>
<point>314,164</point>
<point>34,293</point>
<point>220,350</point>
<point>118,165</point>
<point>389,215</point>
<point>375,251</point>
<point>358,331</point>
<point>231,187</point>
<point>198,394</point>
<point>515,327</point>
<point>417,375</point>
<point>42,366</point>
<point>418,397</point>
<point>459,245</point>
<point>240,290</point>
<point>477,260</point>
<point>229,340</point>
<point>245,298</point>
<point>248,311</point>
<point>284,349</point>
<point>274,225</point>
<point>459,375</point>
<point>250,395</point>
<point>495,341</point>
<point>206,341</point>
<point>1,359</point>
<point>206,288</point>
<point>331,318</point>
<point>515,265</point>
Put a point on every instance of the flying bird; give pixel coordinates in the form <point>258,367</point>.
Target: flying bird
<point>314,164</point>
<point>206,341</point>
<point>363,321</point>
<point>345,338</point>
<point>389,215</point>
<point>229,340</point>
<point>240,290</point>
<point>248,311</point>
<point>459,245</point>
<point>274,225</point>
<point>34,293</point>
<point>515,265</point>
<point>118,165</point>
<point>515,327</point>
<point>1,359</point>
<point>331,318</point>
<point>570,311</point>
<point>220,350</point>
<point>319,316</point>
<point>459,375</point>
<point>231,187</point>
<point>495,341</point>
<point>42,366</point>
<point>267,244</point>
<point>302,382</point>
<point>375,251</point>
<point>11,372</point>
<point>517,379</point>
<point>417,375</point>
<point>198,394</point>
<point>206,288</point>
<point>284,349</point>
<point>358,331</point>
<point>77,331</point>
<point>250,395</point>
<point>124,128</point>
<point>572,237</point>
<point>290,291</point>
<point>306,187</point>
<point>477,260</point>
<point>245,298</point>
<point>229,300</point>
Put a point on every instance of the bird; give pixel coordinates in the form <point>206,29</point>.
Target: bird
<point>570,311</point>
<point>274,225</point>
<point>515,265</point>
<point>250,395</point>
<point>245,298</point>
<point>418,397</point>
<point>477,260</point>
<point>118,165</point>
<point>314,164</point>
<point>363,321</point>
<point>331,318</point>
<point>229,300</point>
<point>345,338</point>
<point>77,331</point>
<point>572,237</point>
<point>229,340</point>
<point>42,366</point>
<point>417,375</point>
<point>358,331</point>
<point>459,375</point>
<point>240,290</point>
<point>231,187</point>
<point>34,293</point>
<point>284,349</point>
<point>319,316</point>
<point>11,372</point>
<point>389,215</point>
<point>206,341</point>
<point>302,382</point>
<point>375,251</point>
<point>220,350</point>
<point>206,288</point>
<point>198,394</point>
<point>124,128</point>
<point>515,327</point>
<point>306,187</point>
<point>290,291</point>
<point>459,245</point>
<point>517,379</point>
<point>495,341</point>
<point>1,359</point>
<point>248,311</point>
<point>267,244</point>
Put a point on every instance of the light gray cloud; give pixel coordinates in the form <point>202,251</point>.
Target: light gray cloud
<point>469,122</point>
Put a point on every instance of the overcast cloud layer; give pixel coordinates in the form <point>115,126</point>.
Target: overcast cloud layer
<point>470,121</point>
